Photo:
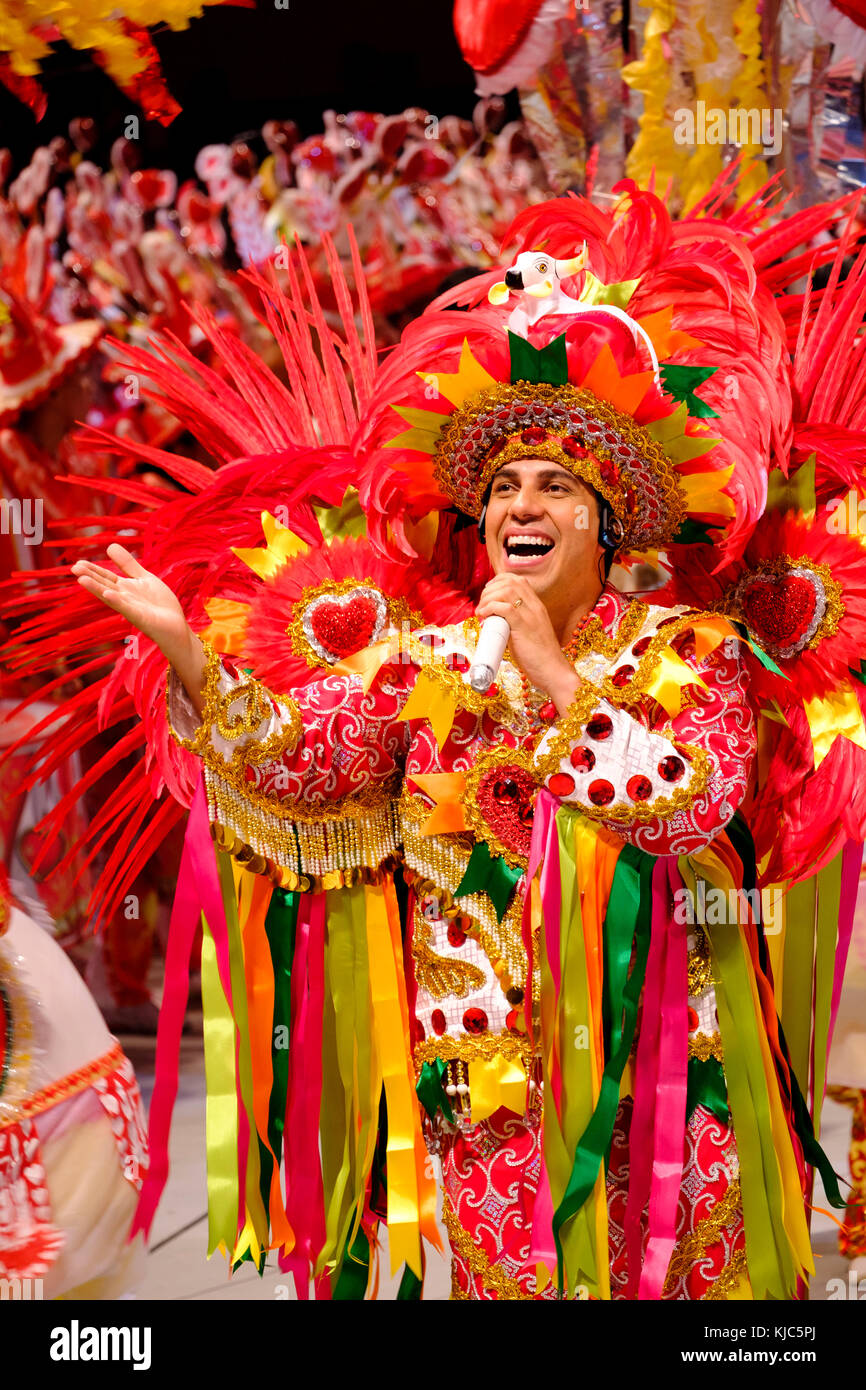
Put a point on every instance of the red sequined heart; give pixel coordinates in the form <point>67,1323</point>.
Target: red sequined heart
<point>505,800</point>
<point>344,628</point>
<point>778,611</point>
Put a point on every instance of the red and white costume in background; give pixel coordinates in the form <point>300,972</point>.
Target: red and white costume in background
<point>73,1147</point>
<point>332,744</point>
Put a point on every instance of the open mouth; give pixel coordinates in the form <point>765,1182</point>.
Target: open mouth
<point>527,550</point>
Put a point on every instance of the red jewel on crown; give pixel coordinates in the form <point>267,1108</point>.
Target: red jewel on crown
<point>534,434</point>
<point>574,449</point>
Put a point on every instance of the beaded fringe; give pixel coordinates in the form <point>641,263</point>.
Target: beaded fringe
<point>302,854</point>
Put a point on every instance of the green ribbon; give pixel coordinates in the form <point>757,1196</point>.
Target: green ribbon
<point>859,674</point>
<point>766,661</point>
<point>280,925</point>
<point>546,364</point>
<point>410,1287</point>
<point>351,1283</point>
<point>488,873</point>
<point>771,1265</point>
<point>741,838</point>
<point>682,382</point>
<point>706,1086</point>
<point>694,532</point>
<point>430,1089</point>
<point>627,920</point>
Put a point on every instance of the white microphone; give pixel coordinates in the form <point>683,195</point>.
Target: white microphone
<point>492,641</point>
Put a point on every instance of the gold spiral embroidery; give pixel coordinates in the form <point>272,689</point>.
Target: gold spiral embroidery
<point>441,976</point>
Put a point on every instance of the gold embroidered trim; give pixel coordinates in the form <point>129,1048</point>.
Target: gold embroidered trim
<point>220,715</point>
<point>67,1086</point>
<point>594,640</point>
<point>397,613</point>
<point>700,969</point>
<point>499,755</point>
<point>485,1048</point>
<point>692,1246</point>
<point>728,1280</point>
<point>493,1277</point>
<point>703,1046</point>
<point>441,976</point>
<point>499,707</point>
<point>500,941</point>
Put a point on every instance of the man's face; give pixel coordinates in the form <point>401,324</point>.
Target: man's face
<point>542,522</point>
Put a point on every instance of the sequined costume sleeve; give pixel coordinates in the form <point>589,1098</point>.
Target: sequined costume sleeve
<point>306,781</point>
<point>667,784</point>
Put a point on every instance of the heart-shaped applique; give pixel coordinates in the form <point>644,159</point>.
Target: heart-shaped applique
<point>337,626</point>
<point>505,798</point>
<point>780,611</point>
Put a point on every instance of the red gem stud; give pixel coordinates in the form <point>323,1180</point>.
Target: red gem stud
<point>456,934</point>
<point>671,769</point>
<point>642,646</point>
<point>639,788</point>
<point>475,1021</point>
<point>561,784</point>
<point>437,1021</point>
<point>583,759</point>
<point>600,727</point>
<point>600,793</point>
<point>548,711</point>
<point>622,675</point>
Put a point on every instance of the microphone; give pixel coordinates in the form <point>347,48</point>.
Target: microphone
<point>492,641</point>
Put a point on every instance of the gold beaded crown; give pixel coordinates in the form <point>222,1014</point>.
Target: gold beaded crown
<point>635,445</point>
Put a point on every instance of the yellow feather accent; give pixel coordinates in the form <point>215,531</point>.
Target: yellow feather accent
<point>594,291</point>
<point>794,494</point>
<point>467,381</point>
<point>281,545</point>
<point>426,426</point>
<point>703,492</point>
<point>836,716</point>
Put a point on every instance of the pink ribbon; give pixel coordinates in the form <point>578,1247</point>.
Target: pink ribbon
<point>544,852</point>
<point>196,867</point>
<point>656,1137</point>
<point>304,1191</point>
<point>852,856</point>
<point>670,1099</point>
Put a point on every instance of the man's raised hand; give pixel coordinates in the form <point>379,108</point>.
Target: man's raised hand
<point>151,606</point>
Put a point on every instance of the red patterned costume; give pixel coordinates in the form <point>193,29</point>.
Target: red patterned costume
<point>564,915</point>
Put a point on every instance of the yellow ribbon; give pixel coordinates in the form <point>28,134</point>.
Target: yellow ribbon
<point>221,1110</point>
<point>367,663</point>
<point>670,676</point>
<point>834,716</point>
<point>434,702</point>
<point>404,1236</point>
<point>497,1083</point>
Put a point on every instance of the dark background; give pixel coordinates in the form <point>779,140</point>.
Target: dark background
<point>234,69</point>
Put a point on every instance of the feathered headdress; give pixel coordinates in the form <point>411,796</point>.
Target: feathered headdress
<point>659,380</point>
